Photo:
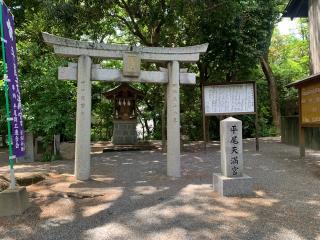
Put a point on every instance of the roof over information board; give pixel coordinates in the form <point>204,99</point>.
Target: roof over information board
<point>296,8</point>
<point>312,78</point>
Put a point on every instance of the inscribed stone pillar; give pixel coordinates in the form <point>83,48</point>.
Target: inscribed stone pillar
<point>232,181</point>
<point>83,122</point>
<point>173,121</point>
<point>314,24</point>
<point>231,147</point>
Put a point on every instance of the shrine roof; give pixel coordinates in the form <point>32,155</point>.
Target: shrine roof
<point>122,88</point>
<point>312,78</point>
<point>296,8</point>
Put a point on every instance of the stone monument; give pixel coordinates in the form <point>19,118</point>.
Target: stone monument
<point>232,181</point>
<point>125,115</point>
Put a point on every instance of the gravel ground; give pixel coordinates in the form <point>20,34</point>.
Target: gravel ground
<point>130,197</point>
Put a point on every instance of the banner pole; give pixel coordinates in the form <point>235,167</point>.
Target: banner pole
<point>6,90</point>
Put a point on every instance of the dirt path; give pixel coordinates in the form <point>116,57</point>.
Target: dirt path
<point>130,197</point>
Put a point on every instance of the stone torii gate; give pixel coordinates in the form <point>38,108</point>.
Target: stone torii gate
<point>84,71</point>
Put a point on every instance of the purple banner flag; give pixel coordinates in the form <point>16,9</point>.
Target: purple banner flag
<point>13,83</point>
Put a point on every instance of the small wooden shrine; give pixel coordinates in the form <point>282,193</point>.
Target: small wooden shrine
<point>125,98</point>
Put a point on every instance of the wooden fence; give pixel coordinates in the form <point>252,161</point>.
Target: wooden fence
<point>290,133</point>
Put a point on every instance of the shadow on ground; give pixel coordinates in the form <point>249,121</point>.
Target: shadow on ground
<point>130,197</point>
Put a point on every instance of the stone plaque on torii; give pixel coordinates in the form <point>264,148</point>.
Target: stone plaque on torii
<point>84,72</point>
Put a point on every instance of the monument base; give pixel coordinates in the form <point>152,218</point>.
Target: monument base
<point>13,201</point>
<point>232,187</point>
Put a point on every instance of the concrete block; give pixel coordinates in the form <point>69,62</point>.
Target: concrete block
<point>13,201</point>
<point>232,187</point>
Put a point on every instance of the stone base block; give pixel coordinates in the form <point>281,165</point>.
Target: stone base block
<point>124,132</point>
<point>13,201</point>
<point>232,187</point>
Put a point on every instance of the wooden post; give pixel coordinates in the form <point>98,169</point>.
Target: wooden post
<point>203,120</point>
<point>301,130</point>
<point>257,118</point>
<point>257,133</point>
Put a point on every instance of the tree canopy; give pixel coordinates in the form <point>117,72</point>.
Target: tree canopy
<point>238,32</point>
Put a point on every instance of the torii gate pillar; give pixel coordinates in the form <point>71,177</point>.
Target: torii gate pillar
<point>83,126</point>
<point>173,120</point>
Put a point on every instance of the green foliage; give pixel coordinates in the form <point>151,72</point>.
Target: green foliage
<point>238,33</point>
<point>289,59</point>
<point>49,104</point>
<point>191,120</point>
<point>102,113</point>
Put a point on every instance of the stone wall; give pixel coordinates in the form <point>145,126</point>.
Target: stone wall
<point>124,132</point>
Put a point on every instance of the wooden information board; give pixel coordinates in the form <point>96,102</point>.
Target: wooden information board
<point>229,99</point>
<point>310,104</point>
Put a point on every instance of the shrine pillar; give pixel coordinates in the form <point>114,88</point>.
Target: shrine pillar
<point>83,126</point>
<point>173,120</point>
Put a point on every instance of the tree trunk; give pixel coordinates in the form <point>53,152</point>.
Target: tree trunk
<point>203,70</point>
<point>147,127</point>
<point>231,77</point>
<point>274,97</point>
